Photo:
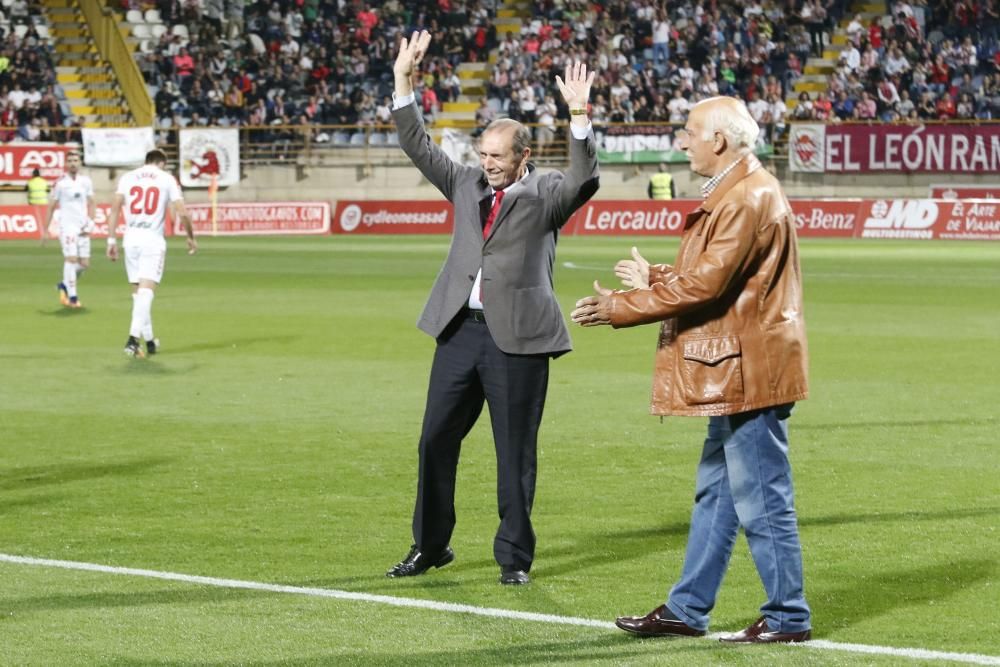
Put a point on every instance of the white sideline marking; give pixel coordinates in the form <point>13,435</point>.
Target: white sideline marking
<point>584,267</point>
<point>910,653</point>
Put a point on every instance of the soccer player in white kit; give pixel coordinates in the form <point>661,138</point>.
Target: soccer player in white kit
<point>142,197</point>
<point>73,196</point>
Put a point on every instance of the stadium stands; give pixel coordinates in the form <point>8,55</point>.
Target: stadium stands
<point>264,62</point>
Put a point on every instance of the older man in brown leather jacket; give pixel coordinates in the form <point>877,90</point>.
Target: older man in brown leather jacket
<point>732,347</point>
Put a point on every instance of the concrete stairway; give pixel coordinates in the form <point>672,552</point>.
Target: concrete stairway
<point>86,79</point>
<point>475,75</point>
<point>816,70</point>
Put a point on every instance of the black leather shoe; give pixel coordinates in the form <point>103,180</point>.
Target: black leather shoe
<point>417,562</point>
<point>513,577</point>
<point>760,633</point>
<point>657,623</point>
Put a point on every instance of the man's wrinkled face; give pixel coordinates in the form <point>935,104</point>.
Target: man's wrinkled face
<point>700,151</point>
<point>499,161</point>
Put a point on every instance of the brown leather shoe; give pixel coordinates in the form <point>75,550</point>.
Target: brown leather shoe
<point>759,633</point>
<point>657,624</point>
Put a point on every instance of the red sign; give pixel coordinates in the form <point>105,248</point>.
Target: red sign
<point>17,161</point>
<point>844,218</point>
<point>259,218</point>
<point>825,217</point>
<point>19,222</point>
<point>912,148</point>
<point>639,217</point>
<point>838,218</point>
<point>929,219</point>
<point>666,218</point>
<point>964,192</point>
<point>393,217</point>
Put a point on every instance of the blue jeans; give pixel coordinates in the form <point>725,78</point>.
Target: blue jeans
<point>744,479</point>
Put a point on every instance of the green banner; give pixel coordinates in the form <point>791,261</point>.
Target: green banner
<point>655,157</point>
<point>645,145</point>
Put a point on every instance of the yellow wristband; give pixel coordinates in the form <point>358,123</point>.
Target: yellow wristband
<point>578,112</point>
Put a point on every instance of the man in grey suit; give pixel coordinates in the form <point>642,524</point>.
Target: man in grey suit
<point>492,311</point>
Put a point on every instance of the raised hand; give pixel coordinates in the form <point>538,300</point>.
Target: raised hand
<point>633,272</point>
<point>575,88</point>
<point>411,52</point>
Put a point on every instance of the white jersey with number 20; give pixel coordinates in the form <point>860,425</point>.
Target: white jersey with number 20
<point>148,191</point>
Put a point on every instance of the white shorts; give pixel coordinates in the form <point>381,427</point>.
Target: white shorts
<point>144,259</point>
<point>75,244</point>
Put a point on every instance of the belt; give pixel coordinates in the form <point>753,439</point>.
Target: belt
<point>475,315</point>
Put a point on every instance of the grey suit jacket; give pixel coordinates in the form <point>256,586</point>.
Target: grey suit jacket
<point>518,300</point>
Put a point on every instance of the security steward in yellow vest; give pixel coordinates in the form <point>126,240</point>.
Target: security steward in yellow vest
<point>661,184</point>
<point>38,198</point>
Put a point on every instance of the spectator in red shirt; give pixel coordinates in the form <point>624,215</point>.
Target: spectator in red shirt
<point>320,72</point>
<point>368,17</point>
<point>183,64</point>
<point>875,34</point>
<point>531,46</point>
<point>428,101</point>
<point>243,81</point>
<point>545,30</point>
<point>940,75</point>
<point>822,107</point>
<point>946,108</point>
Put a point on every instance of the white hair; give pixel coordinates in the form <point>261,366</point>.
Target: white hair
<point>732,120</point>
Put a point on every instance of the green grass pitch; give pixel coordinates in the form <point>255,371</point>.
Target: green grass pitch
<point>274,440</point>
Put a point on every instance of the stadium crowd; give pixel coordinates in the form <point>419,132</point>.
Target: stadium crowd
<point>29,101</point>
<point>327,62</point>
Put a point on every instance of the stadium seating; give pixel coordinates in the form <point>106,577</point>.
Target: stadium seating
<point>753,50</point>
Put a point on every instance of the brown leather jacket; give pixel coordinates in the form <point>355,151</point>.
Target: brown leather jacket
<point>733,336</point>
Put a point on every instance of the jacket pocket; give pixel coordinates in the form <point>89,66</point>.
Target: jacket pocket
<point>535,310</point>
<point>712,371</point>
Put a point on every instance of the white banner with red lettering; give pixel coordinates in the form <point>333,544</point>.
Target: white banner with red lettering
<point>860,148</point>
<point>248,219</point>
<point>17,161</point>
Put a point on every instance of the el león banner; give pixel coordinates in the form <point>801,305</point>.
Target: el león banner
<point>862,149</point>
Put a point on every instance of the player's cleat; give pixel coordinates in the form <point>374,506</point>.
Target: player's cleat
<point>63,294</point>
<point>132,348</point>
<point>152,346</point>
<point>74,302</point>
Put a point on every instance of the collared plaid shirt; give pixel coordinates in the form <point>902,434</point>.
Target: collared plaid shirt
<point>713,182</point>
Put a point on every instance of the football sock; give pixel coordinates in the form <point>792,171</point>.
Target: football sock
<point>142,302</point>
<point>69,278</point>
<point>80,268</point>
